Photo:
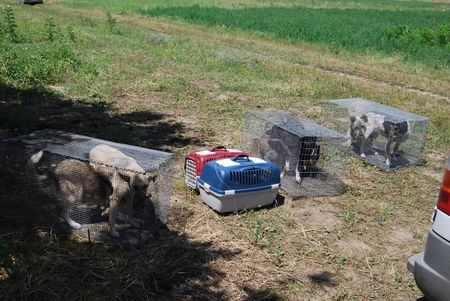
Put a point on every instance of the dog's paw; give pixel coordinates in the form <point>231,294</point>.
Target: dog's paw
<point>388,162</point>
<point>74,225</point>
<point>287,165</point>
<point>298,179</point>
<point>105,212</point>
<point>363,155</point>
<point>376,153</point>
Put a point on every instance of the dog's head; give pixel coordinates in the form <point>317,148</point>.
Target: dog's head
<point>140,184</point>
<point>358,126</point>
<point>393,129</point>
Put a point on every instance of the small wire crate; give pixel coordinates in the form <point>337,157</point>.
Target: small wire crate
<point>381,135</point>
<point>306,153</point>
<point>50,177</point>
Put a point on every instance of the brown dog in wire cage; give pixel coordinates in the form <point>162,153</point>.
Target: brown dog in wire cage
<point>128,179</point>
<point>73,183</point>
<point>111,178</point>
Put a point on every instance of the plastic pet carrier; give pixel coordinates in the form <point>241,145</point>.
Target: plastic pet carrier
<point>239,183</point>
<point>196,160</point>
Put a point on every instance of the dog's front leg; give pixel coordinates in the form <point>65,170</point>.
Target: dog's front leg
<point>130,199</point>
<point>348,136</point>
<point>298,176</point>
<point>114,202</point>
<point>362,147</point>
<point>387,153</point>
<point>396,146</point>
<point>134,222</point>
<point>299,167</point>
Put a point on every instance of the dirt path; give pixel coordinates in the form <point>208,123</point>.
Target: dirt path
<point>384,83</point>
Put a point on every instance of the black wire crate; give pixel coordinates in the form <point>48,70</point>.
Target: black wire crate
<point>306,153</point>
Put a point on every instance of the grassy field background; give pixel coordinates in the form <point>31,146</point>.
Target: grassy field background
<point>170,82</point>
<point>417,35</point>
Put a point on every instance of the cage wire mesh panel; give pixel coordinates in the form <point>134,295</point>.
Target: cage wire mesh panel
<point>47,177</point>
<point>306,153</point>
<point>395,138</point>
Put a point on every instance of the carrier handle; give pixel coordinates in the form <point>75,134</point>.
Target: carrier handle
<point>241,157</point>
<point>219,147</point>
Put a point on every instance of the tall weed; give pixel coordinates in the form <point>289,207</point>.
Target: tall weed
<point>111,21</point>
<point>10,24</point>
<point>50,30</point>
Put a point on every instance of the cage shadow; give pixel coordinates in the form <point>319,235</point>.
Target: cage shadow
<point>25,110</point>
<point>50,262</point>
<point>50,266</point>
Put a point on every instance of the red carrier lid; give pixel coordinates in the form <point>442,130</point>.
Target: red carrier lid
<point>204,156</point>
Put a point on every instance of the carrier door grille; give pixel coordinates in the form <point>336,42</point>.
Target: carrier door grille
<point>190,174</point>
<point>251,177</point>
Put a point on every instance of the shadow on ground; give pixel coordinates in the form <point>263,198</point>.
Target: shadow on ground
<point>41,261</point>
<point>24,111</point>
<point>49,266</point>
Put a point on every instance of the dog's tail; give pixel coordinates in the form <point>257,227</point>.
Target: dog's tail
<point>33,169</point>
<point>34,159</point>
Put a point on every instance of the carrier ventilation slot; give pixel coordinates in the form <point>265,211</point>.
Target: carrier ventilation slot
<point>251,177</point>
<point>220,157</point>
<point>190,176</point>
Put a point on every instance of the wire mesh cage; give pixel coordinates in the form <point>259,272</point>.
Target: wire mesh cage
<point>382,135</point>
<point>79,183</point>
<point>306,153</point>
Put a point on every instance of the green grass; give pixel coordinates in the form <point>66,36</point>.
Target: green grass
<point>35,57</point>
<point>129,6</point>
<point>362,30</point>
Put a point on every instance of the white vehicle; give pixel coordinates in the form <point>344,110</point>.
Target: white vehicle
<point>431,268</point>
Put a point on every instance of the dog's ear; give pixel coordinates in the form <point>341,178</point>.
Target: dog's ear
<point>364,118</point>
<point>352,119</point>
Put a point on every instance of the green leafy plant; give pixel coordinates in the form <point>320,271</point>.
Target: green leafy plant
<point>111,21</point>
<point>438,36</point>
<point>70,33</point>
<point>10,25</point>
<point>50,30</point>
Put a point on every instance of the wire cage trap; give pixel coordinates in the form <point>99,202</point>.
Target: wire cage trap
<point>383,136</point>
<point>306,153</point>
<point>49,177</point>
